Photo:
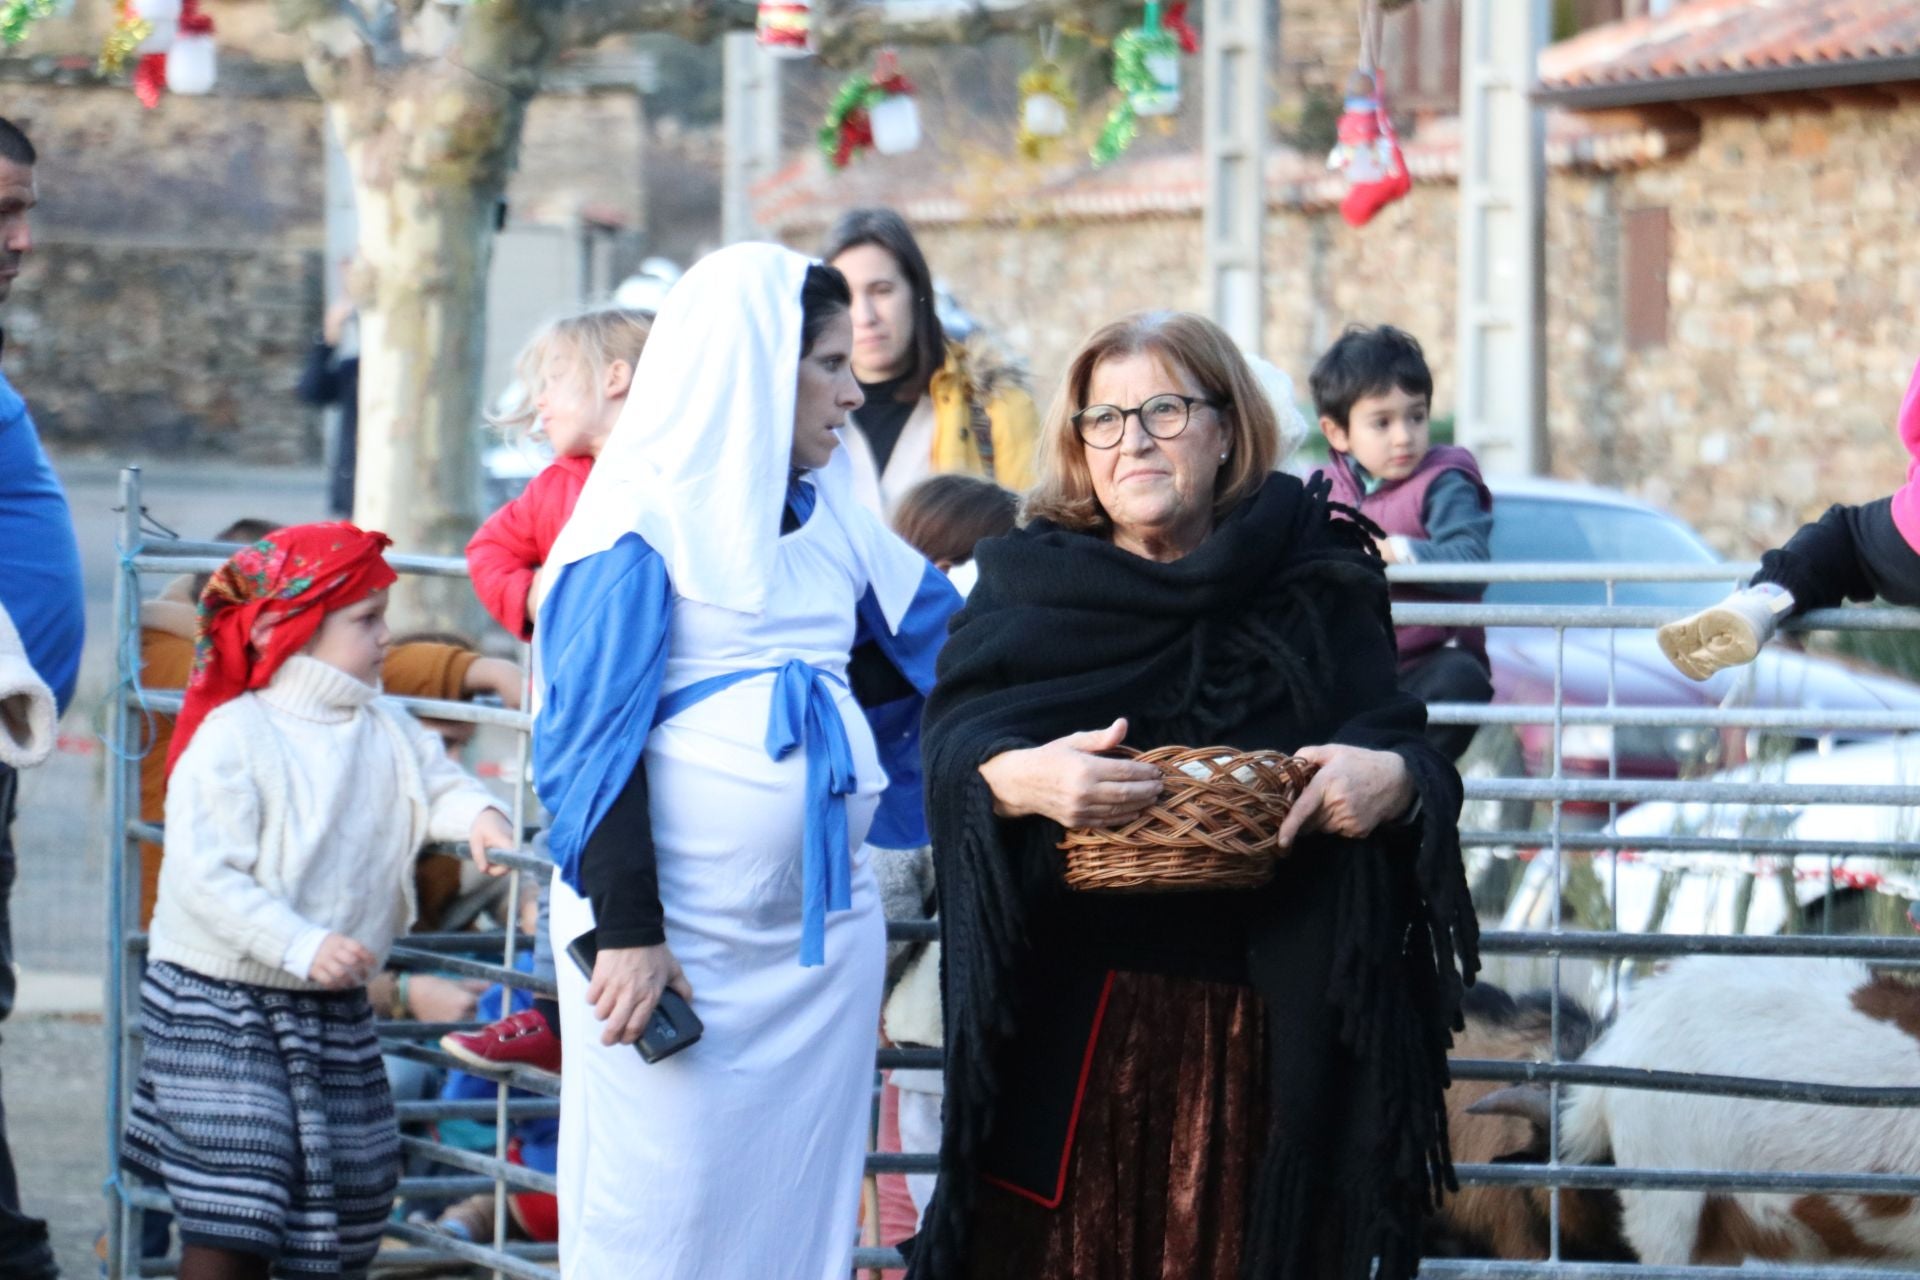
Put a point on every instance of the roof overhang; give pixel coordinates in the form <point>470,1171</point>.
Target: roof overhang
<point>1811,78</point>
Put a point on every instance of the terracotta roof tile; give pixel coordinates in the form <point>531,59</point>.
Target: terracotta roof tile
<point>1720,37</point>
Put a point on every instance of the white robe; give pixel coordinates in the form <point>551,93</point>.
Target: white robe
<point>741,1156</point>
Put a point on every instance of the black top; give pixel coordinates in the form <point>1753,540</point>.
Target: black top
<point>884,416</point>
<point>1273,634</point>
<point>328,380</point>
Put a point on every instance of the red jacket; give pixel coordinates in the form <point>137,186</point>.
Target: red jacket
<point>512,545</point>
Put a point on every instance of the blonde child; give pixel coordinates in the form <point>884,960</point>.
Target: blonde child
<point>574,377</point>
<point>297,799</point>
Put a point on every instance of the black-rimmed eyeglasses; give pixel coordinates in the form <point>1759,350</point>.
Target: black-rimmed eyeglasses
<point>1163,416</point>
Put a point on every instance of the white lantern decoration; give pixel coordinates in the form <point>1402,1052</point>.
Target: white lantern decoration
<point>157,11</point>
<point>786,29</point>
<point>896,124</point>
<point>161,38</point>
<point>1044,116</point>
<point>192,64</point>
<point>1164,98</point>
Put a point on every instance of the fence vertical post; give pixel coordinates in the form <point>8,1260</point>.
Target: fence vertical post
<point>123,1227</point>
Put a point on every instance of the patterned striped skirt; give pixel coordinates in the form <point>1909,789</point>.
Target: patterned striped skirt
<point>267,1117</point>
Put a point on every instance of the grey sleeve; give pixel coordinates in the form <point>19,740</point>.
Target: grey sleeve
<point>1458,530</point>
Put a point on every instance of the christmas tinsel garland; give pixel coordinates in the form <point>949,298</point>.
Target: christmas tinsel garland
<point>849,123</point>
<point>16,16</point>
<point>1131,76</point>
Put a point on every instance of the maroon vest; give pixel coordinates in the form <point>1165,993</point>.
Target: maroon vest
<point>1399,507</point>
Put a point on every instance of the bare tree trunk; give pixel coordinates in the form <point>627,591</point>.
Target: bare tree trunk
<point>428,101</point>
<point>429,159</point>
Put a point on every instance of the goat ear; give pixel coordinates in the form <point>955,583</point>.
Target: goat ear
<point>1529,1102</point>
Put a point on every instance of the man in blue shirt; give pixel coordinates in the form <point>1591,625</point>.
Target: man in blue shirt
<point>41,590</point>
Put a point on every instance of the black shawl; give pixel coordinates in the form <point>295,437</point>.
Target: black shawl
<point>1273,633</point>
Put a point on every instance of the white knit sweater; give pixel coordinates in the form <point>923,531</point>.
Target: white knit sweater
<point>296,808</point>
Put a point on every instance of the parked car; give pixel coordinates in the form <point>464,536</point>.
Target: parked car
<point>1648,887</point>
<point>1551,521</point>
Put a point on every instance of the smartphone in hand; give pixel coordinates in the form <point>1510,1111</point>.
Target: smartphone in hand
<point>672,1027</point>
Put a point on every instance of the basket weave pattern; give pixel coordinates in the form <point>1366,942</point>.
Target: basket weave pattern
<point>1216,824</point>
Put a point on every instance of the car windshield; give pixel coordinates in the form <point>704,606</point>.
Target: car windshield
<point>1534,529</point>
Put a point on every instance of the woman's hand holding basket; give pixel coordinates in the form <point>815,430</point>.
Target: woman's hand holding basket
<point>1071,782</point>
<point>1352,794</point>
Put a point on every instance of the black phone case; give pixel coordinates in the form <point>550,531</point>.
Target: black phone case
<point>674,1025</point>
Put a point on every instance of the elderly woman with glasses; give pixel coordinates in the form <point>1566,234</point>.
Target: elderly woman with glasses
<point>1243,1083</point>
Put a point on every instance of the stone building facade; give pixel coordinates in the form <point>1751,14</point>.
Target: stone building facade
<point>1728,301</point>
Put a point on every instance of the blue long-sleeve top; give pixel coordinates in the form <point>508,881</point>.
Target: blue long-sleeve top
<point>40,581</point>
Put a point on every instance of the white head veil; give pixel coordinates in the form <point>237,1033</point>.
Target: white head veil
<point>698,463</point>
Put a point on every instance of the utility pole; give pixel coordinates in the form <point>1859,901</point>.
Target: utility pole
<point>1501,410</point>
<point>752,116</point>
<point>1234,82</point>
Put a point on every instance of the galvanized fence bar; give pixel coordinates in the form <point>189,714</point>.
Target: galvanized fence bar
<point>460,953</point>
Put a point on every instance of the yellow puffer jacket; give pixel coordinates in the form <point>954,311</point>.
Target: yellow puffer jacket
<point>985,423</point>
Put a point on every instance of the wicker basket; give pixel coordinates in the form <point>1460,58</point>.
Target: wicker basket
<point>1215,826</point>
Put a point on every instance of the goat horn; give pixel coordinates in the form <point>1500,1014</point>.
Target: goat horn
<point>1529,1102</point>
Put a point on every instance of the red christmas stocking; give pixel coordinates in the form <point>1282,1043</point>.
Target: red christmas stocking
<point>1364,199</point>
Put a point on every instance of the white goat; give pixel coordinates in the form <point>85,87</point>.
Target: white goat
<point>1830,1021</point>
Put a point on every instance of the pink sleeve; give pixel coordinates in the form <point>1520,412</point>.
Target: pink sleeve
<point>1906,502</point>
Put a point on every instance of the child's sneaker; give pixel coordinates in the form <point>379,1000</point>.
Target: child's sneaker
<point>519,1040</point>
<point>1728,634</point>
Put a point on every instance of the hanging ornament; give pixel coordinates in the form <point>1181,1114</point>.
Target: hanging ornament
<point>150,79</point>
<point>157,11</point>
<point>1046,108</point>
<point>895,115</point>
<point>1146,71</point>
<point>123,38</point>
<point>863,107</point>
<point>193,63</point>
<point>1368,150</point>
<point>16,16</point>
<point>786,30</point>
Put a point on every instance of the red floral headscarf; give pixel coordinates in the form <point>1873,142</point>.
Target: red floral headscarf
<point>293,577</point>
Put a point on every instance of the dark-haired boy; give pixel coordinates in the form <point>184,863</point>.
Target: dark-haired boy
<point>1373,392</point>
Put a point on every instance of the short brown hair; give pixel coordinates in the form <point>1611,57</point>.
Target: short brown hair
<point>943,517</point>
<point>1193,343</point>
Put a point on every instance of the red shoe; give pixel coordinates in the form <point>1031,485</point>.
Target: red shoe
<point>522,1040</point>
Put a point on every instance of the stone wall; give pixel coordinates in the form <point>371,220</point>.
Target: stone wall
<point>176,278</point>
<point>1792,291</point>
<point>1790,298</point>
<point>179,272</point>
<point>582,155</point>
<point>1044,287</point>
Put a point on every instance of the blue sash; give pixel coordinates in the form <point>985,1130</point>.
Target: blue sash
<point>803,714</point>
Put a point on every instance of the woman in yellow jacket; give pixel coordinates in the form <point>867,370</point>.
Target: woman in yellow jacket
<point>932,406</point>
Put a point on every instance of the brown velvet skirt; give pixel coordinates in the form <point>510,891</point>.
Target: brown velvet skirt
<point>1171,1130</point>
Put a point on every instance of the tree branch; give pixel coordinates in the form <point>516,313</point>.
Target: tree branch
<point>845,30</point>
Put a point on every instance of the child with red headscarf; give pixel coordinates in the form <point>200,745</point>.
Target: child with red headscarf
<point>297,798</point>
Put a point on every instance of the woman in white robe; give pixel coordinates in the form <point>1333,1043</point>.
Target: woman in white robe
<point>721,611</point>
